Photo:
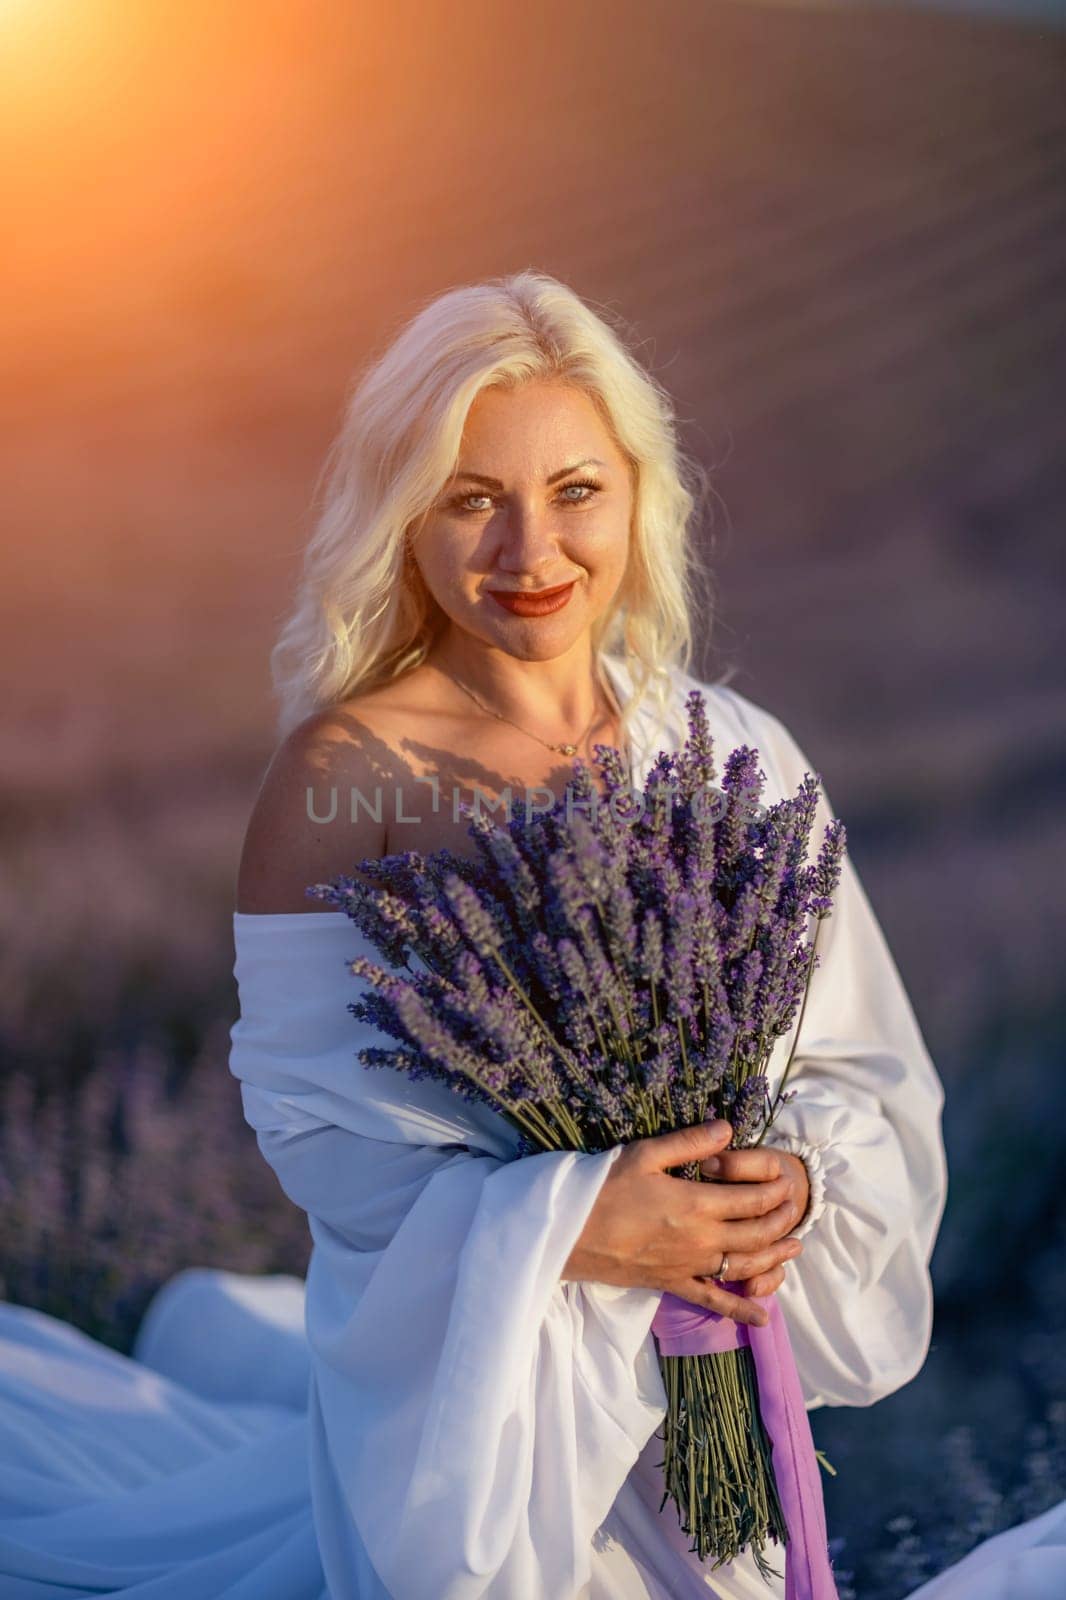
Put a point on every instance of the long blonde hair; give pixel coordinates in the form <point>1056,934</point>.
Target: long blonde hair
<point>360,616</point>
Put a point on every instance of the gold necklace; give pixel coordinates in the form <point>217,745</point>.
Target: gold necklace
<point>563,749</point>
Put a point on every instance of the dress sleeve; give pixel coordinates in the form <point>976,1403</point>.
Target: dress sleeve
<point>472,1418</point>
<point>866,1119</point>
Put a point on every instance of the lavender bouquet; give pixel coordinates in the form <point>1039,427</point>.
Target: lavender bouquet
<point>621,969</point>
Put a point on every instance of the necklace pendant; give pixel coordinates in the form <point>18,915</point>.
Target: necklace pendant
<point>567,749</point>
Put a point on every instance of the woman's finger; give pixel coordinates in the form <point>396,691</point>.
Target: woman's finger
<point>757,1233</point>
<point>701,1292</point>
<point>679,1146</point>
<point>725,1202</point>
<point>742,1166</point>
<point>749,1264</point>
<point>766,1283</point>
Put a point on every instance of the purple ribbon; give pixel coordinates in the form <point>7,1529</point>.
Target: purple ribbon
<point>683,1329</point>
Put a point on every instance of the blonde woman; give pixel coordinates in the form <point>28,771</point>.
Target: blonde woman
<point>502,575</point>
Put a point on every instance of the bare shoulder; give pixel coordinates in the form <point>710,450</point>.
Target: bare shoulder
<point>303,828</point>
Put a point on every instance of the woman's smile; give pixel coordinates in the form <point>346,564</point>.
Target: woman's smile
<point>536,602</point>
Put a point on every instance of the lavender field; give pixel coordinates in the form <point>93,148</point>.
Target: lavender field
<point>837,236</point>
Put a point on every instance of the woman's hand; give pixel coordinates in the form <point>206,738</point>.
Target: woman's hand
<point>751,1166</point>
<point>651,1230</point>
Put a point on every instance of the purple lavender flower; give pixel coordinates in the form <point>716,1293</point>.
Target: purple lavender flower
<point>827,868</point>
<point>595,975</point>
<point>749,1109</point>
<point>742,784</point>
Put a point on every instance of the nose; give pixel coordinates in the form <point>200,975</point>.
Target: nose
<point>528,538</point>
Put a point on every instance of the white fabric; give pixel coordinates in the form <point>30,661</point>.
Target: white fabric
<point>858,1301</point>
<point>811,1156</point>
<point>474,1429</point>
<point>116,1480</point>
<point>473,1489</point>
<point>1024,1563</point>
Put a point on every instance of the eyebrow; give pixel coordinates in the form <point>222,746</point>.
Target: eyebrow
<point>494,483</point>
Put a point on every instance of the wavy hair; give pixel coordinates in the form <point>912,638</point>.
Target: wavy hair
<point>362,614</point>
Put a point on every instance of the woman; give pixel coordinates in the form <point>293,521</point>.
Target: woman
<point>500,579</point>
<point>501,567</point>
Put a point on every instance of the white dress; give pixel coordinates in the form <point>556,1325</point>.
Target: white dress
<point>434,1415</point>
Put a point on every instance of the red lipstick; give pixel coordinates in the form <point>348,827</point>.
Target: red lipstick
<point>538,603</point>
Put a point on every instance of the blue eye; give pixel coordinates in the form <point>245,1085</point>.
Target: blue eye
<point>582,483</point>
<point>575,483</point>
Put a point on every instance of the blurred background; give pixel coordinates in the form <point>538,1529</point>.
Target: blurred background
<point>837,234</point>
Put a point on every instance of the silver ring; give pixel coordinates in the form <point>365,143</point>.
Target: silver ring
<point>723,1270</point>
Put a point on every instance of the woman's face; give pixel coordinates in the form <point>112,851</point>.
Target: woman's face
<point>541,498</point>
